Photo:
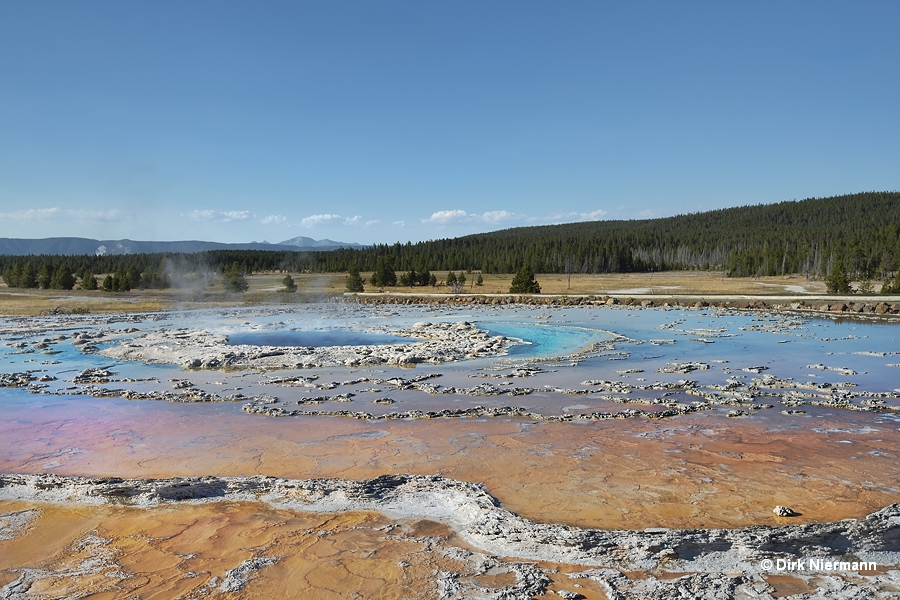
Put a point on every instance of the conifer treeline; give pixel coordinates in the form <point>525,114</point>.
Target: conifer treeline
<point>806,237</point>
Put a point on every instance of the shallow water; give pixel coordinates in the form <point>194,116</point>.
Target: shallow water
<point>544,341</point>
<point>701,469</point>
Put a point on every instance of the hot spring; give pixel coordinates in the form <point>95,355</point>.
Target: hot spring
<point>672,417</point>
<point>541,341</point>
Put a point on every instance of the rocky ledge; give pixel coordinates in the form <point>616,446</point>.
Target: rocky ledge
<point>198,349</point>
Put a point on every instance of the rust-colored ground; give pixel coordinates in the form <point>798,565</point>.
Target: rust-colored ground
<point>694,471</point>
<point>188,551</point>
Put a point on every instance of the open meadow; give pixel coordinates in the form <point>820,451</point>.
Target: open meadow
<point>266,288</point>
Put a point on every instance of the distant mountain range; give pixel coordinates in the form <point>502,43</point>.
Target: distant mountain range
<point>80,246</point>
<point>311,244</point>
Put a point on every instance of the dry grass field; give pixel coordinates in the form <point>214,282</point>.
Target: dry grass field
<point>666,283</point>
<point>267,289</point>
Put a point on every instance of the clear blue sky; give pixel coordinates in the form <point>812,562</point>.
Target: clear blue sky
<point>396,121</point>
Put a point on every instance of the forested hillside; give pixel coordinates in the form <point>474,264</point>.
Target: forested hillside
<point>859,231</point>
<point>862,230</point>
<point>791,237</point>
<point>806,237</point>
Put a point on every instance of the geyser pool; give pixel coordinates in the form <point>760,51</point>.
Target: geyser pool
<point>315,338</point>
<point>545,340</point>
<point>539,340</point>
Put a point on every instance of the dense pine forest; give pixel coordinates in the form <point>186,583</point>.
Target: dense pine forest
<point>859,232</point>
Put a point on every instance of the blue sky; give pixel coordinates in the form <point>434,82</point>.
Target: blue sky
<point>403,121</point>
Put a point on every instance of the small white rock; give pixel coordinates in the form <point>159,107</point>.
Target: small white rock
<point>784,511</point>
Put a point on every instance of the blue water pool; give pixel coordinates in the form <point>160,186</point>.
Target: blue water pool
<point>545,340</point>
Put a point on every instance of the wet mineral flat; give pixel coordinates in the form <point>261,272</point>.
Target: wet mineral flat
<point>602,418</point>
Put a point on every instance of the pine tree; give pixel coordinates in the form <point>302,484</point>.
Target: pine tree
<point>121,281</point>
<point>456,282</point>
<point>62,279</point>
<point>892,286</point>
<point>45,276</point>
<point>288,283</point>
<point>375,279</point>
<point>479,281</point>
<point>866,286</point>
<point>524,282</point>
<point>89,282</point>
<point>17,276</point>
<point>133,274</point>
<point>384,275</point>
<point>354,281</point>
<point>837,281</point>
<point>10,276</point>
<point>153,279</point>
<point>233,278</point>
<point>29,277</point>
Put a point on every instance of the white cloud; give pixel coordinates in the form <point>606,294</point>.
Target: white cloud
<point>497,218</point>
<point>375,222</point>
<point>37,214</point>
<point>315,220</point>
<point>399,223</point>
<point>109,215</point>
<point>491,217</point>
<point>219,216</point>
<point>65,215</point>
<point>571,217</point>
<point>631,212</point>
<point>445,217</point>
<point>593,215</point>
<point>319,220</point>
<point>500,216</point>
<point>274,220</point>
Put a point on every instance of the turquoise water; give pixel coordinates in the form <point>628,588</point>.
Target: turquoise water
<point>731,349</point>
<point>543,341</point>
